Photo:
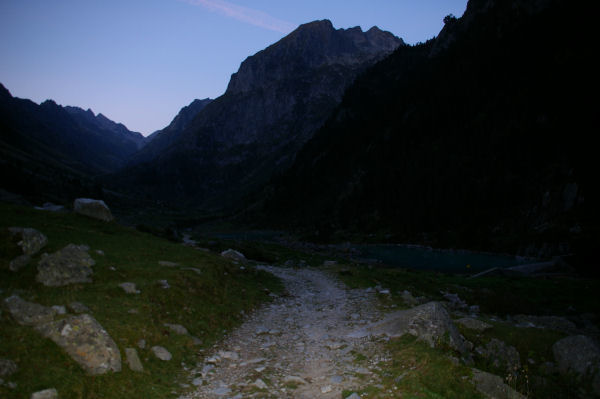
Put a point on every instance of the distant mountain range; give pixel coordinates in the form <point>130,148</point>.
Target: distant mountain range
<point>273,105</point>
<point>69,135</point>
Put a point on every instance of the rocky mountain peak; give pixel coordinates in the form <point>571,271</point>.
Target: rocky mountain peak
<point>311,46</point>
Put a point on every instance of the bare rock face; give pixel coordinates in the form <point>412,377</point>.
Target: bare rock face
<point>96,209</point>
<point>84,339</point>
<point>70,265</point>
<point>429,322</point>
<point>28,313</point>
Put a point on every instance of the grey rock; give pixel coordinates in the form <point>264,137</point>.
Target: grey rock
<point>129,288</point>
<point>454,300</point>
<point>96,209</point>
<point>221,391</point>
<point>353,396</point>
<point>493,386</point>
<point>161,353</point>
<point>141,344</point>
<point>193,269</point>
<point>31,240</point>
<point>59,309</point>
<point>294,379</point>
<point>45,394</point>
<point>429,322</point>
<point>164,284</point>
<point>326,389</point>
<point>329,263</point>
<point>50,207</point>
<point>133,360</point>
<point>100,252</point>
<point>177,328</point>
<point>197,381</point>
<point>7,367</point>
<point>78,307</point>
<point>501,355</point>
<point>167,263</point>
<point>409,299</point>
<point>19,262</point>
<point>86,341</point>
<point>28,313</point>
<point>577,354</point>
<point>70,265</point>
<point>233,255</point>
<point>473,324</point>
<point>229,355</point>
<point>260,384</point>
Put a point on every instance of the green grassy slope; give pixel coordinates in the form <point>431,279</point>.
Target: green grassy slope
<point>207,304</point>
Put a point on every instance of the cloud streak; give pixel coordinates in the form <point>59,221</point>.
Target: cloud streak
<point>244,14</point>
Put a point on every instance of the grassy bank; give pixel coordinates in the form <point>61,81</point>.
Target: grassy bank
<point>207,303</point>
<point>419,371</point>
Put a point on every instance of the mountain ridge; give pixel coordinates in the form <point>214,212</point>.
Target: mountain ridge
<point>273,104</point>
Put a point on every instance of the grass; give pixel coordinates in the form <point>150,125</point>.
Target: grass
<point>418,371</point>
<point>494,295</point>
<point>434,376</point>
<point>207,305</point>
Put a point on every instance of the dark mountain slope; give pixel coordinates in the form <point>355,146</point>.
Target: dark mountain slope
<point>272,106</point>
<point>93,144</point>
<point>162,139</point>
<point>52,152</point>
<point>480,138</point>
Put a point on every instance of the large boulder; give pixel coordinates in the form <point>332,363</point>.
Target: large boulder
<point>84,339</point>
<point>96,209</point>
<point>577,354</point>
<point>429,322</point>
<point>70,265</point>
<point>28,313</point>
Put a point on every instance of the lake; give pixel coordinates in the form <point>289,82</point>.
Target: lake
<point>414,257</point>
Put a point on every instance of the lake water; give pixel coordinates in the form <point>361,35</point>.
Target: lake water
<point>430,259</point>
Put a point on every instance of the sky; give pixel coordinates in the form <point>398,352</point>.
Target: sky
<point>139,62</point>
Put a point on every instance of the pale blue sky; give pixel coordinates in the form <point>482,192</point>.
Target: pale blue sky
<point>139,61</point>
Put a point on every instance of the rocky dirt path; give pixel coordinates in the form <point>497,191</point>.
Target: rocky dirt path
<point>299,346</point>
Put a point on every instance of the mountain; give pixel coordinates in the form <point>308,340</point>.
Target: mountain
<point>119,132</point>
<point>162,139</point>
<point>49,150</point>
<point>274,103</point>
<point>478,139</point>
